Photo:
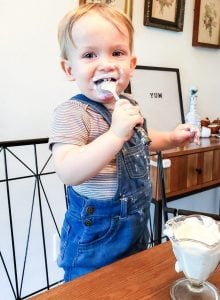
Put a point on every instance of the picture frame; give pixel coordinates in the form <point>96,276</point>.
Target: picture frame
<point>206,26</point>
<point>125,5</point>
<point>164,14</point>
<point>158,93</point>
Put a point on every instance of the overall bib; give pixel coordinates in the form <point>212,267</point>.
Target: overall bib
<point>98,232</point>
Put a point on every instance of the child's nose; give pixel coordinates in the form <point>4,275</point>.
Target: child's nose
<point>107,65</point>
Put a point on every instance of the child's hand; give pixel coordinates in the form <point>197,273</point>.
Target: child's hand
<point>184,133</point>
<point>124,118</point>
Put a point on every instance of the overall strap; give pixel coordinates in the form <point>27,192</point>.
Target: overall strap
<point>100,108</point>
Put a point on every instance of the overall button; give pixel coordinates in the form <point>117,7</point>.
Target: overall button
<point>90,210</point>
<point>88,222</point>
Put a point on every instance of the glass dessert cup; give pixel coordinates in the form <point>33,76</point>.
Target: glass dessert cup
<point>195,241</point>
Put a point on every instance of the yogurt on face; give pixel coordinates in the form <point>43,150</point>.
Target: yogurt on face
<point>196,245</point>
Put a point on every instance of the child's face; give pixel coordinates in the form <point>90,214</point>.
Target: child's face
<point>100,51</point>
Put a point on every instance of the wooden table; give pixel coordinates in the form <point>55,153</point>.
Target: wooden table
<point>146,275</point>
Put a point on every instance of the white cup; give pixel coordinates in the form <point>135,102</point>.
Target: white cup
<point>205,132</point>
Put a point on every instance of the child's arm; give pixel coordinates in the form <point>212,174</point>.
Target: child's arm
<point>76,164</point>
<point>182,134</point>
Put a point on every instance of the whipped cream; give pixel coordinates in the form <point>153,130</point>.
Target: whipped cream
<point>192,228</point>
<point>196,245</point>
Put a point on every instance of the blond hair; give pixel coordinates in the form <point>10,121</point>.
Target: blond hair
<point>113,15</point>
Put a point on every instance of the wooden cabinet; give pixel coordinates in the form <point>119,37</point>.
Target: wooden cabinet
<point>191,169</point>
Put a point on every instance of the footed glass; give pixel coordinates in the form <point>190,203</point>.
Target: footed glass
<point>195,241</point>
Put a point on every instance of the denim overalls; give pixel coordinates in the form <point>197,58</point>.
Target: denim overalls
<point>98,232</point>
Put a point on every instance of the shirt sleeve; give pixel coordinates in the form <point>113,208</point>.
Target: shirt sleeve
<point>70,124</point>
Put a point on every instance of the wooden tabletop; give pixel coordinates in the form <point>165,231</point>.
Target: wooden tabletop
<point>146,275</point>
<point>211,143</point>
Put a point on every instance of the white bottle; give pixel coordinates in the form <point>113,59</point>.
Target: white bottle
<point>192,116</point>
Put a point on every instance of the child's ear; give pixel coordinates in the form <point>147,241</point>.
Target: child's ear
<point>133,64</point>
<point>66,66</point>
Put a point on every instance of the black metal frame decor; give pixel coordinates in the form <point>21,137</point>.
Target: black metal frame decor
<point>24,166</point>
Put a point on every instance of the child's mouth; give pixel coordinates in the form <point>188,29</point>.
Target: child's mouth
<point>102,86</point>
<point>101,80</point>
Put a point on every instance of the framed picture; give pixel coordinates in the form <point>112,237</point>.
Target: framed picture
<point>165,14</point>
<point>206,27</point>
<point>125,5</point>
<point>158,93</point>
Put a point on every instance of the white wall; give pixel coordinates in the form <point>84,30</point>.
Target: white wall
<point>32,83</point>
<point>31,79</point>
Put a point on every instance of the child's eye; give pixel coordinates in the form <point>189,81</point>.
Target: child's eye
<point>118,53</point>
<point>89,55</point>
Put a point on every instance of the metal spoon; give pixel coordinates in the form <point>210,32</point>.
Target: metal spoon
<point>108,86</point>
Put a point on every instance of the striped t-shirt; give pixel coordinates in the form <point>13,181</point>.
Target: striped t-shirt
<point>78,124</point>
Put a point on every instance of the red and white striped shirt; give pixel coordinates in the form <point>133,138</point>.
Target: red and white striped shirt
<point>78,124</point>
